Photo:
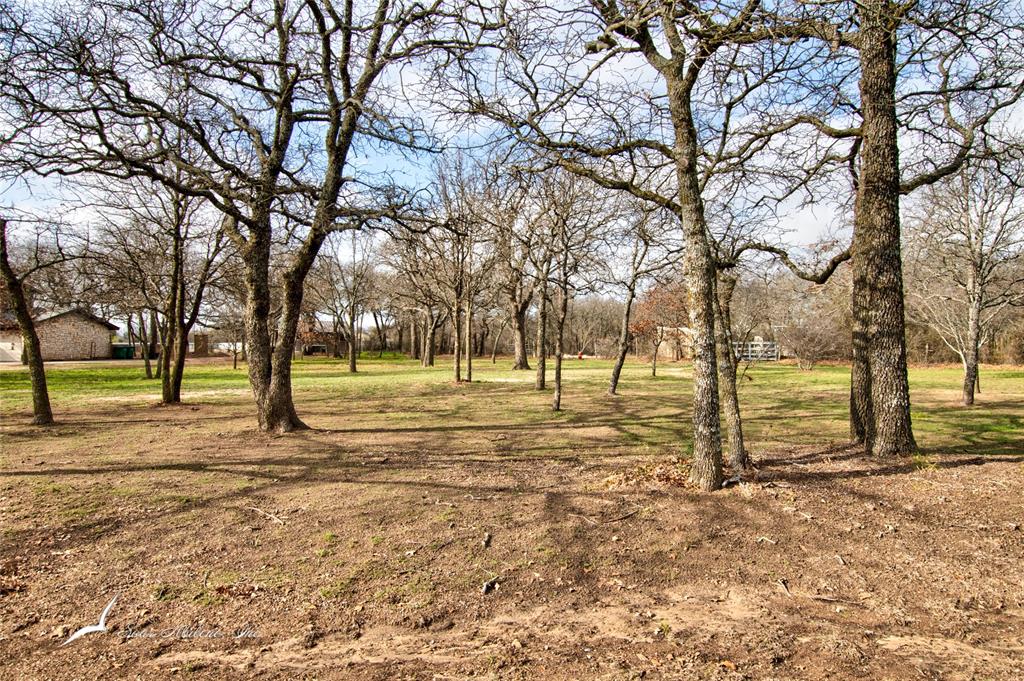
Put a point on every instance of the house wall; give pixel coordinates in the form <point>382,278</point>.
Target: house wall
<point>10,345</point>
<point>73,337</point>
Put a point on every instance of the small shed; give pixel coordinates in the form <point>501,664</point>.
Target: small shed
<point>70,335</point>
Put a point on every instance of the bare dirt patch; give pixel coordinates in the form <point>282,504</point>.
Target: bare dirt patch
<point>365,552</point>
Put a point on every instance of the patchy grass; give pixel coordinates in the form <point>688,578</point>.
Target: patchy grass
<point>425,529</point>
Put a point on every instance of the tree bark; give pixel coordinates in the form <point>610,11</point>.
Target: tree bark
<point>415,341</point>
<point>144,340</point>
<point>862,426</point>
<point>270,362</point>
<point>457,344</point>
<point>699,273</point>
<point>352,349</point>
<point>429,339</point>
<point>623,347</point>
<point>563,311</point>
<point>181,337</point>
<point>739,458</point>
<point>971,355</point>
<point>518,317</point>
<point>497,341</point>
<point>878,222</point>
<point>542,336</point>
<point>169,339</point>
<point>42,414</point>
<point>154,341</point>
<point>469,337</point>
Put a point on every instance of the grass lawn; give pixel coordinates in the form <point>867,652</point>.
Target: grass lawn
<point>781,404</point>
<point>427,530</point>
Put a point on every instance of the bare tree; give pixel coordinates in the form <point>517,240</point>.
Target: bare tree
<point>342,286</point>
<point>924,74</point>
<point>643,232</point>
<point>274,113</point>
<point>577,213</point>
<point>47,250</point>
<point>663,133</point>
<point>158,250</point>
<point>966,259</point>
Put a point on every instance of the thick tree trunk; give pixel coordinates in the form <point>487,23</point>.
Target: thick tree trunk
<point>739,459</point>
<point>699,273</point>
<point>42,415</point>
<point>878,222</point>
<point>654,359</point>
<point>623,346</point>
<point>862,426</point>
<point>270,363</point>
<point>518,316</point>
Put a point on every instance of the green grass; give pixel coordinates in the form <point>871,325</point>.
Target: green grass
<point>782,405</point>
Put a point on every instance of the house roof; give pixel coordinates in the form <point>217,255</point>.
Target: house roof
<point>85,314</point>
<point>7,320</point>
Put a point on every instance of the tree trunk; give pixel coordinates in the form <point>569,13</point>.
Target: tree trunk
<point>738,456</point>
<point>972,351</point>
<point>878,222</point>
<point>699,273</point>
<point>654,359</point>
<point>42,415</point>
<point>469,338</point>
<point>352,349</point>
<point>181,340</point>
<point>563,311</point>
<point>518,316</point>
<point>862,430</point>
<point>497,340</point>
<point>270,363</point>
<point>429,341</point>
<point>171,321</point>
<point>457,345</point>
<point>623,347</point>
<point>154,341</point>
<point>542,337</point>
<point>144,340</point>
<point>414,339</point>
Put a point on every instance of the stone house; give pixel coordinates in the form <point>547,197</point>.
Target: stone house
<point>71,335</point>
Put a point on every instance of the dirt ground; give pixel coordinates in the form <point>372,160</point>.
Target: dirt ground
<point>461,552</point>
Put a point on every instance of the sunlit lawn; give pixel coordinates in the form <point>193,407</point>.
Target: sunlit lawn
<point>782,405</point>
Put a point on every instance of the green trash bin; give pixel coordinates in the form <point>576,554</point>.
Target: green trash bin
<point>122,351</point>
